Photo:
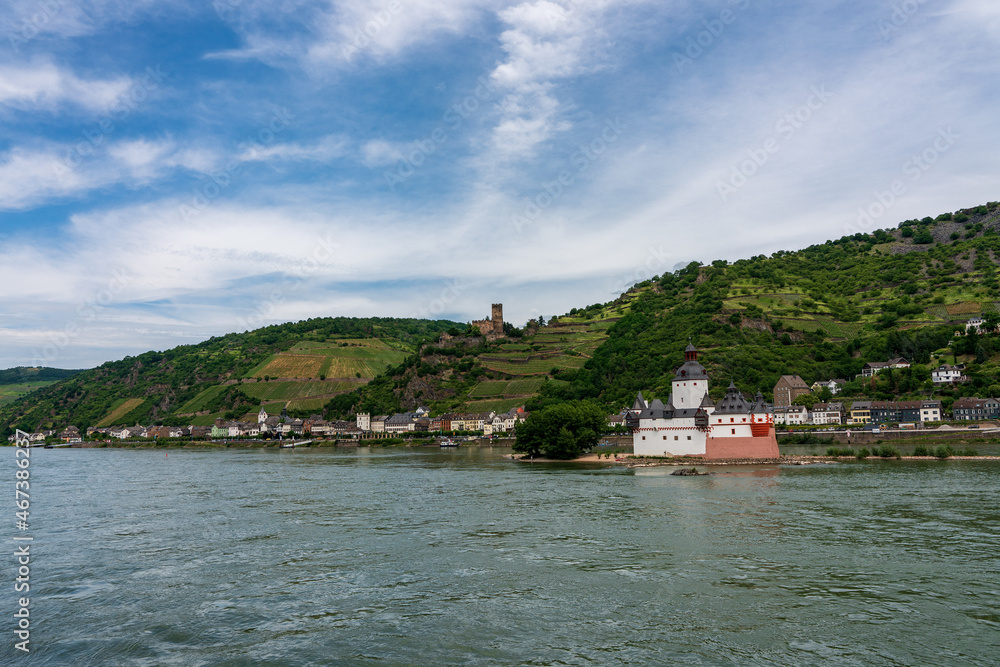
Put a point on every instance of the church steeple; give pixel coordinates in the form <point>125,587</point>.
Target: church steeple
<point>690,352</point>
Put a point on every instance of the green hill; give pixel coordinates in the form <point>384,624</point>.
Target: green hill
<point>821,313</point>
<point>299,365</point>
<point>18,382</point>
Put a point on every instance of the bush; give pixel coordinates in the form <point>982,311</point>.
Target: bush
<point>887,452</point>
<point>862,454</point>
<point>839,451</point>
<point>944,451</point>
<point>921,450</point>
<point>967,452</point>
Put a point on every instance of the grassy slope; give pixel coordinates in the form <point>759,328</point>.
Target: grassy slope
<point>216,376</point>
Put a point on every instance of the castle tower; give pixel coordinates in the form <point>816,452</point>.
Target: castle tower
<point>690,385</point>
<point>497,318</point>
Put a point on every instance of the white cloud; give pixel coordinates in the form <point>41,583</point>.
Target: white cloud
<point>46,86</point>
<point>27,177</point>
<point>337,34</point>
<point>323,150</point>
<point>379,153</point>
<point>31,177</point>
<point>545,42</point>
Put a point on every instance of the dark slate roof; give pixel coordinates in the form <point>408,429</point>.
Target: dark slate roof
<point>656,410</point>
<point>640,402</point>
<point>707,401</point>
<point>691,370</point>
<point>732,403</point>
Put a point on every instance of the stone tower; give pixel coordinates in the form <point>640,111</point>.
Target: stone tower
<point>497,318</point>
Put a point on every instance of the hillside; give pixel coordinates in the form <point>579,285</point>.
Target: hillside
<point>821,313</point>
<point>299,366</point>
<point>22,380</point>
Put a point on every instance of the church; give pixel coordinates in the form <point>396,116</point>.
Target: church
<point>690,424</point>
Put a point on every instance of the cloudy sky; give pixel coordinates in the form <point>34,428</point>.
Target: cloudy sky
<point>173,170</point>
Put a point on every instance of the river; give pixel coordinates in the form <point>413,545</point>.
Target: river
<point>397,556</point>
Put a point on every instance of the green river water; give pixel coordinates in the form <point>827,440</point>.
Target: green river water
<point>407,557</point>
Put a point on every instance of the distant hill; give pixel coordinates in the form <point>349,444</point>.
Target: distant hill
<point>21,381</point>
<point>820,312</point>
<point>300,365</point>
<point>34,374</point>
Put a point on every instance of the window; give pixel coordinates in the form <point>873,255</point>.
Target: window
<point>675,437</point>
<point>689,437</point>
<point>733,430</point>
<point>643,437</point>
<point>731,420</point>
<point>664,437</point>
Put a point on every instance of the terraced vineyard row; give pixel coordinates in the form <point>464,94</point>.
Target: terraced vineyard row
<point>523,387</point>
<point>283,391</point>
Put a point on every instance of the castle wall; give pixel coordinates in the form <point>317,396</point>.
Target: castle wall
<point>669,438</point>
<point>743,447</point>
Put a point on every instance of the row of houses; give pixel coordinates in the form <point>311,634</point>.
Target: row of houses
<point>866,412</point>
<point>790,387</point>
<point>486,423</point>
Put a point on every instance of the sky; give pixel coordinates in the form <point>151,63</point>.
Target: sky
<point>175,170</point>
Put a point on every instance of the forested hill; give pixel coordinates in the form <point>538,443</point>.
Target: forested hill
<point>22,374</point>
<point>821,313</point>
<point>220,374</point>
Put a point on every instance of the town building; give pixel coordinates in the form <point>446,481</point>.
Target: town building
<point>828,413</point>
<point>948,374</point>
<point>363,421</point>
<point>788,388</point>
<point>974,409</point>
<point>861,413</point>
<point>690,424</point>
<point>835,386</point>
<point>791,415</point>
<point>873,367</point>
<point>895,412</point>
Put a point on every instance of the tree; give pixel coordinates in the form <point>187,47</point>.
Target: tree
<point>808,400</point>
<point>561,431</point>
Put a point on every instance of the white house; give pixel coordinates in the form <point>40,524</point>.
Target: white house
<point>946,374</point>
<point>828,413</point>
<point>364,421</point>
<point>792,414</point>
<point>975,323</point>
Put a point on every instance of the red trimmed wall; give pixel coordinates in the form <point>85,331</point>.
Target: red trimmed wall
<point>743,448</point>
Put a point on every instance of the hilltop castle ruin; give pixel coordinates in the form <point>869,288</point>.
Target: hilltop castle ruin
<point>492,327</point>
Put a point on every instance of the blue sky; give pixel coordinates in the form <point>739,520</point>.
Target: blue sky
<point>175,170</point>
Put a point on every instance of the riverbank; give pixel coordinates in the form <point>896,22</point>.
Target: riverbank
<point>649,462</point>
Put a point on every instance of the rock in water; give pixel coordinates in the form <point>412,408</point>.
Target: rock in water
<point>684,472</point>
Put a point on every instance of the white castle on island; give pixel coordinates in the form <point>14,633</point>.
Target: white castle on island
<point>690,424</point>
